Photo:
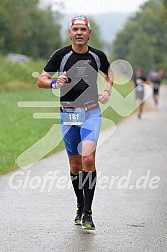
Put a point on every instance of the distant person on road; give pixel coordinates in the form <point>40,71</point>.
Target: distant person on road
<point>78,66</point>
<point>139,80</point>
<point>156,78</point>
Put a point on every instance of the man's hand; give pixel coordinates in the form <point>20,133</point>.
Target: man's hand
<point>104,97</point>
<point>44,80</point>
<point>61,80</point>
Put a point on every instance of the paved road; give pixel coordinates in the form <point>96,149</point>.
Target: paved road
<point>130,204</point>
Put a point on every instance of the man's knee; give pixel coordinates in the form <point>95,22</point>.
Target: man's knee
<point>88,161</point>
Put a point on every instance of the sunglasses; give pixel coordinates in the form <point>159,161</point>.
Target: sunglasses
<point>82,17</point>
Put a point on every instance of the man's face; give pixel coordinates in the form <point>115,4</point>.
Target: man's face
<point>79,34</point>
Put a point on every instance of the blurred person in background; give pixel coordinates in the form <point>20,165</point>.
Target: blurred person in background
<point>139,79</point>
<point>156,79</point>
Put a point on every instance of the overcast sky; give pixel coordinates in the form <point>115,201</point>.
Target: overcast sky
<point>101,6</point>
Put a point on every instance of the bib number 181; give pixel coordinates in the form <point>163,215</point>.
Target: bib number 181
<point>73,116</point>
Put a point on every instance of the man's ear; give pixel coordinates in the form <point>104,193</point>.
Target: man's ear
<point>90,33</point>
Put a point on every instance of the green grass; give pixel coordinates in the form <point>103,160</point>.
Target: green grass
<point>16,76</point>
<point>18,129</point>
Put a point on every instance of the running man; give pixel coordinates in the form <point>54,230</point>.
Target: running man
<point>156,81</point>
<point>78,65</point>
<point>139,80</point>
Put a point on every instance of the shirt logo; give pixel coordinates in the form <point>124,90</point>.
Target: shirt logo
<point>88,61</point>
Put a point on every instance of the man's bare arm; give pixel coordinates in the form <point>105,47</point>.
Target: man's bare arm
<point>44,80</point>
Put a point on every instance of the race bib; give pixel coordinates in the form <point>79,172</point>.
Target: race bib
<point>73,116</point>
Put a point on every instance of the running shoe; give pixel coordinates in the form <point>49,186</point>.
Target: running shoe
<point>87,222</point>
<point>77,220</point>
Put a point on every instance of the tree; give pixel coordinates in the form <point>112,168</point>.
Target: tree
<point>25,28</point>
<point>123,39</point>
<point>145,26</point>
<point>164,11</point>
<point>140,52</point>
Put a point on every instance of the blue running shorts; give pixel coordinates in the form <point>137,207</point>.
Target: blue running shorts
<point>89,130</point>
